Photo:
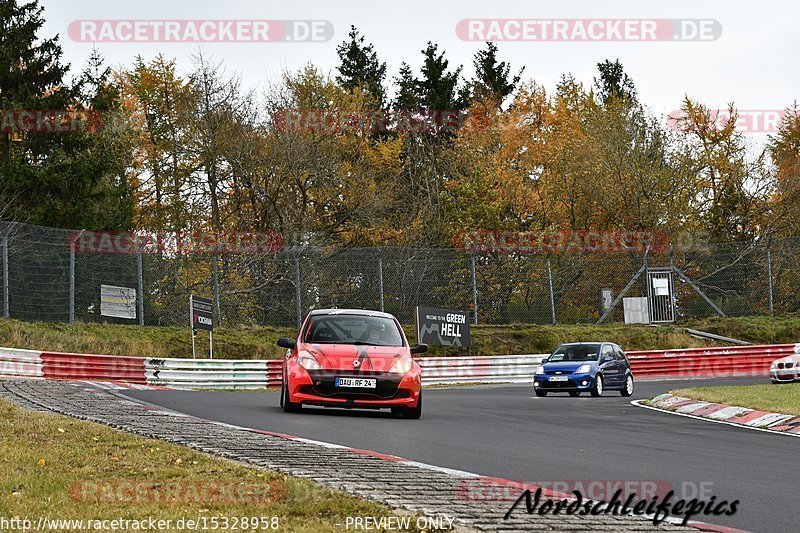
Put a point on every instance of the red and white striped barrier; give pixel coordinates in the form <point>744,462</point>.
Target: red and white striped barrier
<point>709,362</point>
<point>250,374</point>
<point>214,373</point>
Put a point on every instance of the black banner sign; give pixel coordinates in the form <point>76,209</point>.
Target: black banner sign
<point>202,310</point>
<point>443,327</point>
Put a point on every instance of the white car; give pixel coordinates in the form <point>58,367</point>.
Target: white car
<point>785,370</point>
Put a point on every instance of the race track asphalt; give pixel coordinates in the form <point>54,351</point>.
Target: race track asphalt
<point>506,432</point>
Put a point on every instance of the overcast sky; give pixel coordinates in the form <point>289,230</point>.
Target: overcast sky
<point>753,62</point>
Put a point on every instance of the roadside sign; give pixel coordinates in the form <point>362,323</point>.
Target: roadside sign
<point>118,302</point>
<point>202,310</point>
<point>201,316</point>
<point>443,327</point>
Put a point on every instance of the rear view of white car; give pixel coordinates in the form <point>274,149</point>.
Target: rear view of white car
<point>785,370</point>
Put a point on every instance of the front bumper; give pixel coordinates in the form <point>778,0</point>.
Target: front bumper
<point>316,387</point>
<point>787,375</point>
<point>579,382</point>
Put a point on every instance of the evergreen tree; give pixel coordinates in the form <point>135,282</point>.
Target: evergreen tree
<point>407,96</point>
<point>492,78</point>
<point>72,178</point>
<point>31,72</point>
<point>614,82</point>
<point>439,88</point>
<point>359,66</point>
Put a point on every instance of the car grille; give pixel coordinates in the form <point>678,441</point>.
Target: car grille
<point>786,365</point>
<point>323,384</point>
<point>569,384</point>
<point>557,372</point>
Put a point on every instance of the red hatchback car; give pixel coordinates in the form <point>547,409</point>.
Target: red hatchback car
<point>352,358</point>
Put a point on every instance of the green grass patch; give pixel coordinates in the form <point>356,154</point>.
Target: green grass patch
<point>756,329</point>
<point>782,398</point>
<point>61,468</point>
<point>259,342</point>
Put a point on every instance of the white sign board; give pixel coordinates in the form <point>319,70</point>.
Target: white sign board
<point>119,302</point>
<point>636,310</point>
<point>661,286</point>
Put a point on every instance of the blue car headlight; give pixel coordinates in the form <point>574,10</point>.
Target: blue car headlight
<point>539,370</point>
<point>583,369</point>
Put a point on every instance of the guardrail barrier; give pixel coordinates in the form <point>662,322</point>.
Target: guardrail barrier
<point>253,374</point>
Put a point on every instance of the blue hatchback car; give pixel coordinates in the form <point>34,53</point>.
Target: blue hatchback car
<point>584,367</point>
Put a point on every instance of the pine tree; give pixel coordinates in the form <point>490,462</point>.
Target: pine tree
<point>492,78</point>
<point>31,72</point>
<point>439,89</point>
<point>407,97</point>
<point>359,66</point>
<point>71,178</point>
<point>614,82</point>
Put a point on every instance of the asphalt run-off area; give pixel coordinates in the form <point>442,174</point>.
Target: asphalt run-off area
<point>504,431</point>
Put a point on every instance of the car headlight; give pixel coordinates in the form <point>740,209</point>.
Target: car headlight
<point>583,369</point>
<point>402,366</point>
<point>308,362</point>
<point>539,369</point>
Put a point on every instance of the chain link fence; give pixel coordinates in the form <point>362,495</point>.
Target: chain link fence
<point>44,279</point>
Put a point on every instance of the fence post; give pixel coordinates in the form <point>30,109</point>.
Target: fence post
<point>552,297</point>
<point>297,291</point>
<point>72,276</point>
<point>215,285</point>
<point>71,284</point>
<point>769,274</point>
<point>6,313</point>
<point>474,289</point>
<point>380,277</point>
<point>140,286</point>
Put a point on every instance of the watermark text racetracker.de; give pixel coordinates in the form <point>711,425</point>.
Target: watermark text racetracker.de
<point>200,31</point>
<point>41,121</point>
<point>588,30</point>
<point>178,243</point>
<point>560,241</point>
<point>194,523</point>
<point>742,120</point>
<point>177,492</point>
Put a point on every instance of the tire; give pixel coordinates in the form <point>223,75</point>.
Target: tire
<point>574,393</point>
<point>412,413</point>
<point>627,389</point>
<point>597,386</point>
<point>540,393</point>
<point>288,407</point>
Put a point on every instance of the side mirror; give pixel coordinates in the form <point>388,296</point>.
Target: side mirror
<point>607,359</point>
<point>543,361</point>
<point>289,344</point>
<point>419,348</point>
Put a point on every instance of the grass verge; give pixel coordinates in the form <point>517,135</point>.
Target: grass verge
<point>259,342</point>
<point>783,398</point>
<point>61,468</point>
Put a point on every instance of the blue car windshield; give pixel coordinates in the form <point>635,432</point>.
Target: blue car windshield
<point>575,352</point>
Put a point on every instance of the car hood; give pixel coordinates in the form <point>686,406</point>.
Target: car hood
<point>791,358</point>
<point>343,356</point>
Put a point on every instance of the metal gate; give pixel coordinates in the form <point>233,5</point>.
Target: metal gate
<point>660,295</point>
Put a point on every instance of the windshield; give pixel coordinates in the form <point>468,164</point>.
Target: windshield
<point>574,352</point>
<point>353,329</point>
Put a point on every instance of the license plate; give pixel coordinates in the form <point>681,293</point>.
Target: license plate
<point>559,378</point>
<point>356,383</point>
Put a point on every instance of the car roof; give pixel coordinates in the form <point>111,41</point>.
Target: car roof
<point>593,342</point>
<point>360,312</point>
